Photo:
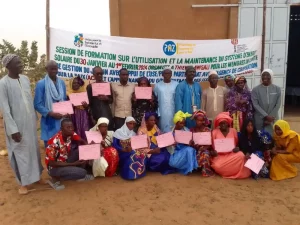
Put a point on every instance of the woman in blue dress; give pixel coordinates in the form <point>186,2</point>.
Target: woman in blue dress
<point>158,158</point>
<point>132,162</point>
<point>183,157</point>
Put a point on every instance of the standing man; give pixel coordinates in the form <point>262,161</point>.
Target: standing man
<point>20,124</point>
<point>266,100</point>
<point>49,90</point>
<point>165,93</point>
<point>188,95</point>
<point>122,94</point>
<point>100,105</point>
<point>213,99</point>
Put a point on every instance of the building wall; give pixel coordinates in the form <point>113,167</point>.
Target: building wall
<point>173,19</point>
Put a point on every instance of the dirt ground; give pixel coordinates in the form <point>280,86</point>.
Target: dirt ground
<point>155,199</point>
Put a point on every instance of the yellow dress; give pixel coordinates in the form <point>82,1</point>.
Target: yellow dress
<point>282,167</point>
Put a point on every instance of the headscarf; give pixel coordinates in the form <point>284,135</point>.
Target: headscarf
<point>124,133</point>
<point>269,71</point>
<point>230,77</point>
<point>81,86</point>
<point>212,72</point>
<point>140,79</point>
<point>101,120</point>
<point>8,58</point>
<point>286,131</point>
<point>149,114</point>
<point>180,116</point>
<point>202,114</point>
<point>240,78</point>
<point>223,116</point>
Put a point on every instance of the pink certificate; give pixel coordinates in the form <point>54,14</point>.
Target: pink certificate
<point>202,138</point>
<point>165,140</point>
<point>255,163</point>
<point>183,137</point>
<point>63,107</point>
<point>143,92</point>
<point>77,98</point>
<point>139,141</point>
<point>101,89</point>
<point>89,152</point>
<point>94,136</point>
<point>224,144</point>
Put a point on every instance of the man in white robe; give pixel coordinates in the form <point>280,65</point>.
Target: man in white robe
<point>20,119</point>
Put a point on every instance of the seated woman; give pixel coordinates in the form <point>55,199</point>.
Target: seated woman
<point>159,159</point>
<point>287,151</point>
<point>132,162</point>
<point>228,165</point>
<point>204,153</point>
<point>250,142</point>
<point>80,117</point>
<point>109,153</point>
<point>184,156</point>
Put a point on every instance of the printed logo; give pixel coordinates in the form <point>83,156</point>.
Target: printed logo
<point>169,48</point>
<point>78,40</point>
<point>235,41</point>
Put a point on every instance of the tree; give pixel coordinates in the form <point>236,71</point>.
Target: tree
<point>32,68</point>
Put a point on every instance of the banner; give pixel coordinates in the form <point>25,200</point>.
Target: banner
<point>77,54</point>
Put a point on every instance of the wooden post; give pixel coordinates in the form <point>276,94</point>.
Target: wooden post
<point>263,44</point>
<point>48,29</point>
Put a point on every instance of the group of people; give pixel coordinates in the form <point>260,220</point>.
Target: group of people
<point>248,117</point>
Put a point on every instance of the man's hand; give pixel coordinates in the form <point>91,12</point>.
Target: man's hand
<point>270,119</point>
<point>134,97</point>
<point>16,137</point>
<point>54,115</point>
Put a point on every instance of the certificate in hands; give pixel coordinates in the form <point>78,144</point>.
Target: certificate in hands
<point>202,138</point>
<point>165,140</point>
<point>101,89</point>
<point>183,137</point>
<point>63,108</point>
<point>224,144</point>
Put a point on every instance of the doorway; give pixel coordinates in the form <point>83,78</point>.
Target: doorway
<point>292,95</point>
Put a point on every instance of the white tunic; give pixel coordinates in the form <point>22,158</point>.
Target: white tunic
<point>16,104</point>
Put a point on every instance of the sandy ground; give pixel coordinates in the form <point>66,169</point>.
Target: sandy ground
<point>155,199</point>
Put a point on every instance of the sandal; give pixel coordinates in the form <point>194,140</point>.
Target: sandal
<point>23,191</point>
<point>86,178</point>
<point>56,185</point>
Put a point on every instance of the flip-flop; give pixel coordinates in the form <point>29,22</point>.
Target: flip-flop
<point>3,152</point>
<point>23,192</point>
<point>86,178</point>
<point>56,186</point>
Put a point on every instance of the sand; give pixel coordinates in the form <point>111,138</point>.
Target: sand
<point>155,199</point>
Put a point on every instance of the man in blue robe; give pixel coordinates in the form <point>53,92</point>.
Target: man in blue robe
<point>165,93</point>
<point>188,95</point>
<point>49,90</point>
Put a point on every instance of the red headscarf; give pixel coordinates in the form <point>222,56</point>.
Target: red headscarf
<point>223,116</point>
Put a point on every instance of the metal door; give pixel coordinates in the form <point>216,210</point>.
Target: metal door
<point>277,30</point>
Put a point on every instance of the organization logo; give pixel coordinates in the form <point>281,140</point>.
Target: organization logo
<point>235,41</point>
<point>78,40</point>
<point>169,48</point>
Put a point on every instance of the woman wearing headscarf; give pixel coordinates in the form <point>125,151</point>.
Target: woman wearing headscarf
<point>140,106</point>
<point>158,160</point>
<point>204,153</point>
<point>109,153</point>
<point>183,157</point>
<point>266,99</point>
<point>80,117</point>
<point>251,141</point>
<point>230,164</point>
<point>132,162</point>
<point>229,82</point>
<point>286,151</point>
<point>239,103</point>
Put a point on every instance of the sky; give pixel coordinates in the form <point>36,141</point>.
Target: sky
<point>26,19</point>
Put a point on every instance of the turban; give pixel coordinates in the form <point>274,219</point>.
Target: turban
<point>180,116</point>
<point>7,59</point>
<point>202,114</point>
<point>229,77</point>
<point>149,114</point>
<point>240,78</point>
<point>223,116</point>
<point>101,120</point>
<point>269,71</point>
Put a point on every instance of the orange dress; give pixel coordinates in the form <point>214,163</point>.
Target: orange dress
<point>230,165</point>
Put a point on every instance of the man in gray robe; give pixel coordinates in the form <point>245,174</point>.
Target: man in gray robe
<point>266,99</point>
<point>20,119</point>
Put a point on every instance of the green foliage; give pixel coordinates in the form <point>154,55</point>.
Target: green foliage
<point>32,68</point>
